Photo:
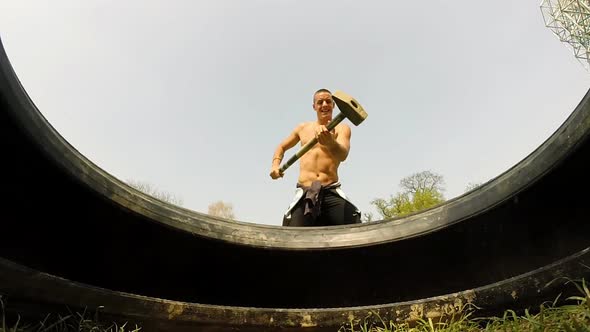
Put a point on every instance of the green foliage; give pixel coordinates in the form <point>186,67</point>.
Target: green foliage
<point>419,191</point>
<point>73,322</point>
<point>574,317</point>
<point>569,317</point>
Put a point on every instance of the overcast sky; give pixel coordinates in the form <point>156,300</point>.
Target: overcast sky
<point>194,96</point>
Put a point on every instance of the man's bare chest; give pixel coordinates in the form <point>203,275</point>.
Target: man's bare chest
<point>309,132</point>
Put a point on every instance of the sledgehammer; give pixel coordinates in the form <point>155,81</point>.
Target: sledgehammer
<point>349,108</point>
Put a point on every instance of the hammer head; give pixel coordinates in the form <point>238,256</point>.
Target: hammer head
<point>349,107</point>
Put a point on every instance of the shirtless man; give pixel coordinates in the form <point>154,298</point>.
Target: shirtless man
<point>318,201</point>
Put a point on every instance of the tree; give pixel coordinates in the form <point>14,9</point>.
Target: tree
<point>419,191</point>
<point>151,190</point>
<point>471,185</point>
<point>221,209</point>
<point>423,181</point>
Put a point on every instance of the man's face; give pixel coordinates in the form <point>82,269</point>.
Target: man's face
<point>323,104</point>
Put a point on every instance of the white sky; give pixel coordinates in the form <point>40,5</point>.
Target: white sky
<point>194,96</point>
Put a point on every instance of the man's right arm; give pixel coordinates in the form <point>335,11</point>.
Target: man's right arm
<point>285,145</point>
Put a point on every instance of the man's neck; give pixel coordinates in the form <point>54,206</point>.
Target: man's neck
<point>323,122</point>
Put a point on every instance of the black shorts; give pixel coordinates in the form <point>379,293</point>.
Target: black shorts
<point>335,210</point>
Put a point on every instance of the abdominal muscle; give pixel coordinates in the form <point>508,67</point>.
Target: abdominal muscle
<point>318,165</point>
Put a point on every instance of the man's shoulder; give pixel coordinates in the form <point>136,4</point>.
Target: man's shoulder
<point>343,127</point>
<point>304,125</point>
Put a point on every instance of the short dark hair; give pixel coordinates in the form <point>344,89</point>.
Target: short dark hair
<point>320,90</point>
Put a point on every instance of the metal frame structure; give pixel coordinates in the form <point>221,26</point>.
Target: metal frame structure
<point>570,22</point>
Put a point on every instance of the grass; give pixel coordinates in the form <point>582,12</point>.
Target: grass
<point>79,322</point>
<point>573,317</point>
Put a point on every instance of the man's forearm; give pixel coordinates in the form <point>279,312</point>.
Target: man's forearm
<point>277,157</point>
<point>338,151</point>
